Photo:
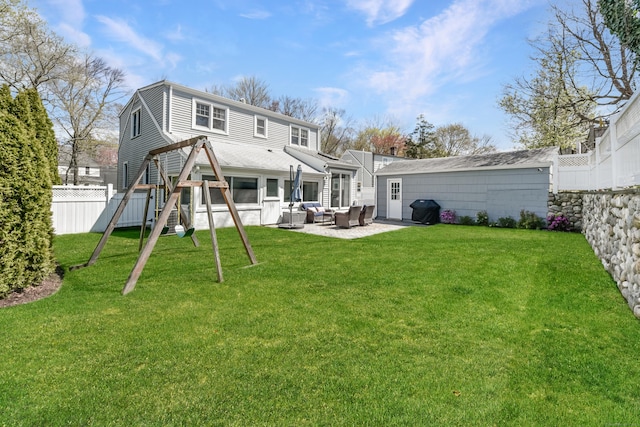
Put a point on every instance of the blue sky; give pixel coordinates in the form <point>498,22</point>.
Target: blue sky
<point>447,60</point>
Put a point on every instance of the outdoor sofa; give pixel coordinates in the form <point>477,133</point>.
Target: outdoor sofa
<point>316,212</point>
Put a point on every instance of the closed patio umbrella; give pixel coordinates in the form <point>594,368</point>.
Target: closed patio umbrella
<point>295,196</point>
<point>296,192</point>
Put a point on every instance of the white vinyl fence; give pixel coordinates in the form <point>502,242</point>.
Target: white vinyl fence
<point>615,161</point>
<point>81,209</point>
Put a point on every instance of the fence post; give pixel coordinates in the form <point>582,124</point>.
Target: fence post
<point>556,172</point>
<point>109,192</point>
<point>613,136</point>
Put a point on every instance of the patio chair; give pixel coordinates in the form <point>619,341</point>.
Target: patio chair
<point>366,215</point>
<point>348,219</point>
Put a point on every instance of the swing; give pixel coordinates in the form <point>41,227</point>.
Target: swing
<point>165,228</point>
<point>179,229</point>
<point>197,144</point>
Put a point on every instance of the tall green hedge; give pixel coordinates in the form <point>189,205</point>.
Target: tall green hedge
<point>26,237</point>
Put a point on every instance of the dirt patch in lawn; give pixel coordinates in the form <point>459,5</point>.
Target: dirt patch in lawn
<point>49,286</point>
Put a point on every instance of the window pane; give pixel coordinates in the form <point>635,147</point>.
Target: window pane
<point>395,191</point>
<point>216,194</point>
<point>287,190</point>
<point>135,123</point>
<point>202,115</point>
<point>304,137</point>
<point>219,118</point>
<point>295,132</point>
<point>272,187</point>
<point>346,189</point>
<point>261,127</point>
<point>245,190</point>
<point>309,191</point>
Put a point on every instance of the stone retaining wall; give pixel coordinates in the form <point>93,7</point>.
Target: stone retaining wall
<point>569,204</point>
<point>611,225</point>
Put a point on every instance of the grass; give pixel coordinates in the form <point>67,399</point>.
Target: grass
<point>442,325</point>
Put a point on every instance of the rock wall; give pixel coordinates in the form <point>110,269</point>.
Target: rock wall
<point>611,225</point>
<point>569,204</point>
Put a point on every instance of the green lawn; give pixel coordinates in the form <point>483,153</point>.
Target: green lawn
<point>442,325</point>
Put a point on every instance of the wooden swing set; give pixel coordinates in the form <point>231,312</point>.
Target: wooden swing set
<point>159,228</point>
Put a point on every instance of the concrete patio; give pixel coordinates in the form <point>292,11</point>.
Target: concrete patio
<point>331,230</point>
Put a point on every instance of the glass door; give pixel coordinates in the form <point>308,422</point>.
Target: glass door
<point>340,190</point>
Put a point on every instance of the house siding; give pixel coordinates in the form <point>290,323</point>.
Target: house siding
<point>134,150</point>
<point>501,193</point>
<point>240,123</point>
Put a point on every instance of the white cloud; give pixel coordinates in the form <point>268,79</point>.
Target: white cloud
<point>380,11</point>
<point>256,14</point>
<point>173,59</point>
<point>72,34</point>
<point>71,14</point>
<point>332,96</point>
<point>71,11</point>
<point>445,48</point>
<point>122,32</point>
<point>176,34</point>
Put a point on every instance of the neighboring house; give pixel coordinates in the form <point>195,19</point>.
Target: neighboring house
<point>368,164</point>
<point>502,184</point>
<point>255,148</point>
<point>90,171</point>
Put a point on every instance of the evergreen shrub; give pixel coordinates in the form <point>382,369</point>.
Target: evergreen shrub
<point>26,234</point>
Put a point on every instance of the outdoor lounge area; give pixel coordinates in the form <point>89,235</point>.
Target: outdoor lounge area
<point>353,217</point>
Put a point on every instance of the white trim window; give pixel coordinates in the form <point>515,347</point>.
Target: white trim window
<point>210,117</point>
<point>260,127</point>
<point>299,136</point>
<point>135,122</point>
<point>244,190</point>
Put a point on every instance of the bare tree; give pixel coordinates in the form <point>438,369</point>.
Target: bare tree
<point>456,140</point>
<point>303,109</point>
<point>336,131</point>
<point>85,102</point>
<point>605,66</point>
<point>250,90</point>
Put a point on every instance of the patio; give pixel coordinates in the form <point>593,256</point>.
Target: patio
<point>331,230</point>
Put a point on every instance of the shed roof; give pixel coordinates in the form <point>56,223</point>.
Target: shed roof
<point>503,160</point>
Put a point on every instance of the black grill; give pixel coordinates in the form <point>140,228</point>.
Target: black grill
<point>425,211</point>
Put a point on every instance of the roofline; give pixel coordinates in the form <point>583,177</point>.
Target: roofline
<point>222,99</point>
<point>496,167</point>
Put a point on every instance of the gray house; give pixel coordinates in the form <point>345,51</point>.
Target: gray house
<point>367,164</point>
<point>255,148</point>
<point>502,184</point>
